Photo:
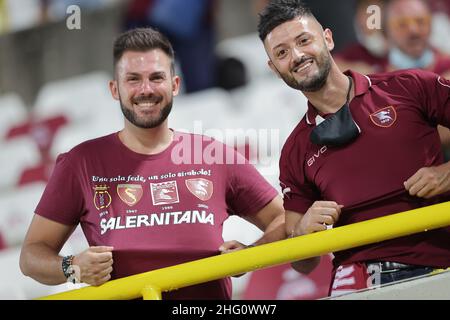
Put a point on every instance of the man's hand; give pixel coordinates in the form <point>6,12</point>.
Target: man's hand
<point>232,246</point>
<point>95,265</point>
<point>429,182</point>
<point>320,215</point>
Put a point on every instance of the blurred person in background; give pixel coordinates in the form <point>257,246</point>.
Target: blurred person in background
<point>369,54</point>
<point>367,147</point>
<point>190,27</point>
<point>139,206</point>
<point>408,30</point>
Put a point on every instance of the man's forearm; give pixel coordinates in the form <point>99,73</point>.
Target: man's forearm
<point>275,231</point>
<point>42,263</point>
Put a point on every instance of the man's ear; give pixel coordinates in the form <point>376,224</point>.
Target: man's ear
<point>328,36</point>
<point>114,89</point>
<point>176,81</point>
<point>273,68</point>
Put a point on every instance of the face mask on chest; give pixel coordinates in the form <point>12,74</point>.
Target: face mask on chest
<point>338,129</point>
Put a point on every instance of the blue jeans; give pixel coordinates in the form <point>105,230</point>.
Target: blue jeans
<point>403,274</point>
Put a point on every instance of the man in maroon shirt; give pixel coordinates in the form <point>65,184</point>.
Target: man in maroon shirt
<point>146,197</point>
<point>367,147</point>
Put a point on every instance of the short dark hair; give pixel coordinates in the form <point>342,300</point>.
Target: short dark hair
<point>142,39</point>
<point>278,12</point>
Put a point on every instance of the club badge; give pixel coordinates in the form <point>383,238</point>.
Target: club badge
<point>385,117</point>
<point>130,193</point>
<point>102,198</point>
<point>201,188</point>
<point>164,193</point>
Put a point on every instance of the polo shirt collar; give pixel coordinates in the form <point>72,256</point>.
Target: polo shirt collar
<point>362,84</point>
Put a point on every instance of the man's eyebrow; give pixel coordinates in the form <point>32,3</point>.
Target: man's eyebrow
<point>132,74</point>
<point>299,36</point>
<point>156,73</point>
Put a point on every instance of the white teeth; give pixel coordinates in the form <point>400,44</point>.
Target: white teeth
<point>304,67</point>
<point>145,104</point>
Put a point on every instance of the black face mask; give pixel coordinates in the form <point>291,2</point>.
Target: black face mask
<point>339,129</point>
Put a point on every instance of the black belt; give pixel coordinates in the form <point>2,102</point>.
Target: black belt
<point>387,266</point>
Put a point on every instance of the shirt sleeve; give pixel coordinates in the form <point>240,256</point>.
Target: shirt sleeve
<point>298,193</point>
<point>434,95</point>
<point>247,190</point>
<point>62,200</point>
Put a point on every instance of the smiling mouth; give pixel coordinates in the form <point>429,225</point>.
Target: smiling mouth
<point>146,104</point>
<point>302,66</point>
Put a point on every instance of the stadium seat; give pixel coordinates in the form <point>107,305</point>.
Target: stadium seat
<point>16,210</point>
<point>16,286</point>
<point>17,155</point>
<point>12,113</point>
<point>42,131</point>
<point>272,110</point>
<point>38,173</point>
<point>80,98</point>
<point>269,103</point>
<point>200,111</point>
<point>74,134</point>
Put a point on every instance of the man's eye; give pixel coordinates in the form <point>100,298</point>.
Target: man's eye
<point>281,53</point>
<point>303,41</point>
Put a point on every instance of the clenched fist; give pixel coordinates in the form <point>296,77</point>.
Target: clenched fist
<point>95,265</point>
<point>320,215</point>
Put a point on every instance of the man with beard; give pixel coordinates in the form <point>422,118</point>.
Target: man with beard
<point>140,209</point>
<point>367,147</point>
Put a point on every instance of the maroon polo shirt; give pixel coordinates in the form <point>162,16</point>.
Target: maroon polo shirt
<point>398,113</point>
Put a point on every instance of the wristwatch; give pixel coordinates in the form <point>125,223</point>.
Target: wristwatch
<point>69,270</point>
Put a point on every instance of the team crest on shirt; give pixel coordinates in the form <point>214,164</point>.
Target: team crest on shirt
<point>130,193</point>
<point>385,117</point>
<point>102,198</point>
<point>201,188</point>
<point>164,193</point>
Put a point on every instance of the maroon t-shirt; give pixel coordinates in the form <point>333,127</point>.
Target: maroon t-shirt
<point>398,114</point>
<point>155,210</point>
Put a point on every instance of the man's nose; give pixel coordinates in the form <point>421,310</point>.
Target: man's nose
<point>297,54</point>
<point>146,87</point>
<point>414,29</point>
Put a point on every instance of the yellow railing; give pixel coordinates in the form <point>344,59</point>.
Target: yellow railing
<point>150,284</point>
